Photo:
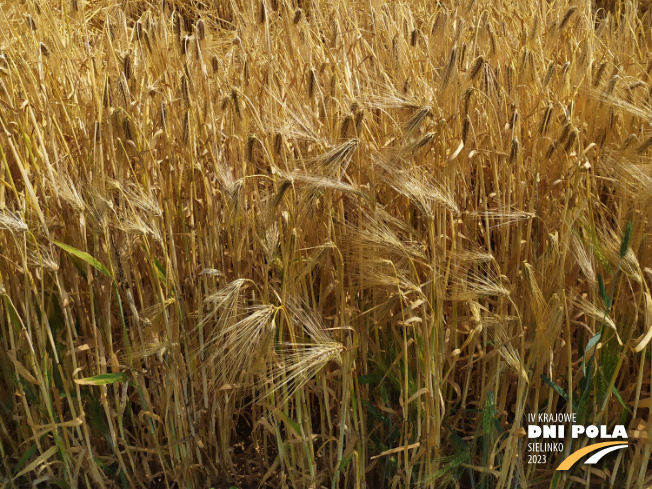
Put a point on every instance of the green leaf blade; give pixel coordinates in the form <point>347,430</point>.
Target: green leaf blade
<point>103,379</point>
<point>624,245</point>
<point>82,255</point>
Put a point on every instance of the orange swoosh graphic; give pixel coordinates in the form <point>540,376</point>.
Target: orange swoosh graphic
<point>575,456</point>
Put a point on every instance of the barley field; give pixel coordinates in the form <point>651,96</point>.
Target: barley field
<point>338,244</point>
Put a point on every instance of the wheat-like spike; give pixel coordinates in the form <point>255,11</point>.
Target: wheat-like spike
<point>336,160</point>
<point>505,347</point>
<point>414,122</point>
<point>12,222</point>
<point>424,192</point>
<point>546,119</point>
<point>477,66</point>
<point>296,364</point>
<point>475,284</point>
<point>567,16</point>
<point>452,61</point>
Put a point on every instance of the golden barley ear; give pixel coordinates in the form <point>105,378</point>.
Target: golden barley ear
<point>296,363</point>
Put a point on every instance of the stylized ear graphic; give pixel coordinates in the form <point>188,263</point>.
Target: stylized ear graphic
<point>601,450</point>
